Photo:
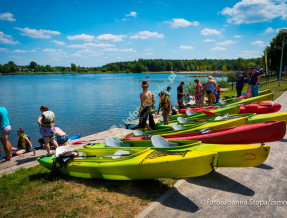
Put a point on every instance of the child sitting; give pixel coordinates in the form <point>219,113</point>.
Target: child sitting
<point>24,144</point>
<point>217,94</point>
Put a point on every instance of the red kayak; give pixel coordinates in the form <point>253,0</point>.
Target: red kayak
<point>183,111</point>
<point>268,131</point>
<point>259,109</point>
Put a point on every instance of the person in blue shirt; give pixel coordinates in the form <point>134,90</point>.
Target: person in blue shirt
<point>241,80</point>
<point>5,129</point>
<point>254,82</point>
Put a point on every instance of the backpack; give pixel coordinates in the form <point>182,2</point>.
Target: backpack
<point>48,117</point>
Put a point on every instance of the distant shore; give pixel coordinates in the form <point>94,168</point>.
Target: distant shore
<point>111,72</point>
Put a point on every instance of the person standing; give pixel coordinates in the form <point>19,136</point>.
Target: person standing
<point>249,73</point>
<point>240,83</point>
<point>180,95</point>
<point>209,88</point>
<point>254,82</point>
<point>145,108</point>
<point>47,122</point>
<point>198,94</point>
<point>165,106</point>
<point>5,129</point>
<point>168,92</point>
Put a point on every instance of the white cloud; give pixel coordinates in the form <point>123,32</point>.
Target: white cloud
<point>7,16</point>
<point>3,49</point>
<point>7,39</point>
<point>33,33</point>
<point>254,11</point>
<point>23,51</point>
<point>237,36</point>
<point>207,32</point>
<point>186,47</point>
<point>55,52</point>
<point>110,37</point>
<point>132,14</point>
<point>120,50</point>
<point>179,22</point>
<point>258,43</point>
<point>226,42</point>
<point>82,37</point>
<point>58,42</point>
<point>218,49</point>
<point>269,30</point>
<point>91,45</point>
<point>147,35</point>
<point>209,40</point>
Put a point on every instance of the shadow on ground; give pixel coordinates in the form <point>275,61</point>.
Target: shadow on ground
<point>264,166</point>
<point>218,181</point>
<point>180,202</point>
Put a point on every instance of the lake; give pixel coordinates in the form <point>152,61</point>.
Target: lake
<point>83,104</point>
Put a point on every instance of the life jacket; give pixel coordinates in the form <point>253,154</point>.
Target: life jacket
<point>164,102</point>
<point>23,143</point>
<point>48,118</point>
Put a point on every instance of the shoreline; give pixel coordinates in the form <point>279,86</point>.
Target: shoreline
<point>98,72</point>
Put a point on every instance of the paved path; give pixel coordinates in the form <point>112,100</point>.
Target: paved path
<point>28,160</point>
<point>253,190</point>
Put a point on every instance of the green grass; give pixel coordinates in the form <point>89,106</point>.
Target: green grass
<point>27,193</point>
<point>277,90</point>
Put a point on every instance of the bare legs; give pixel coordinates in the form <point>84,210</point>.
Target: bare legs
<point>47,145</point>
<point>7,147</point>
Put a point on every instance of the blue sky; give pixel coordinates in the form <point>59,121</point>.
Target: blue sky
<point>93,33</point>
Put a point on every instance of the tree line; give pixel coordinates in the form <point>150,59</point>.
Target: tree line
<point>273,52</point>
<point>158,65</point>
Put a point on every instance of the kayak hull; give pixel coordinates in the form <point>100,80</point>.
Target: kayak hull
<point>146,163</point>
<point>230,155</point>
<point>247,134</point>
<point>259,109</point>
<point>260,118</point>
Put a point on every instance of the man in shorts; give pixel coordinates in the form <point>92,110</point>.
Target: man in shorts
<point>5,129</point>
<point>146,103</point>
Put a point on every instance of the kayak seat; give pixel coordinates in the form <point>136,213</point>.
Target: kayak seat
<point>121,153</point>
<point>160,142</point>
<point>176,127</point>
<point>190,113</point>
<point>205,130</point>
<point>221,117</point>
<point>115,142</point>
<point>138,133</point>
<point>183,120</point>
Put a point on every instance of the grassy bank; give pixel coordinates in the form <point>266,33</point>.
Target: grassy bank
<point>277,90</point>
<point>26,193</point>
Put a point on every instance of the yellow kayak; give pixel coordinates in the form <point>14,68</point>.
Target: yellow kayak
<point>140,163</point>
<point>260,118</point>
<point>214,125</point>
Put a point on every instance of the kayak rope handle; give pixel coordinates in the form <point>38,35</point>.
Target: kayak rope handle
<point>156,154</point>
<point>262,145</point>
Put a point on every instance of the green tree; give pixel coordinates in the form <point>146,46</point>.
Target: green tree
<point>74,67</point>
<point>224,68</point>
<point>274,52</point>
<point>33,65</point>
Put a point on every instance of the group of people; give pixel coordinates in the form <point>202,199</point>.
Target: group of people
<point>148,100</point>
<point>50,134</point>
<point>252,77</point>
<point>210,88</point>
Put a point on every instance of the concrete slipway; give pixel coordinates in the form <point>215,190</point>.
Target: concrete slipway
<point>231,192</point>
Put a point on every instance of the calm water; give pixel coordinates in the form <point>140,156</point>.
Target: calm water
<point>84,104</point>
